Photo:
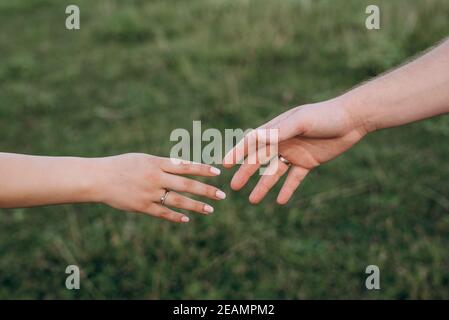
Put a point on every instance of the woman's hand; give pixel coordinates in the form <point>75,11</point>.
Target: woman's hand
<point>308,136</point>
<point>136,182</point>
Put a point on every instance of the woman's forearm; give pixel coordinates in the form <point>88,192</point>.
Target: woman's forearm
<point>135,182</point>
<point>415,91</point>
<point>33,180</point>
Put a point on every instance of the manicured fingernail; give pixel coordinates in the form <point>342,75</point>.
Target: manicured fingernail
<point>208,208</point>
<point>215,171</point>
<point>220,194</point>
<point>185,219</point>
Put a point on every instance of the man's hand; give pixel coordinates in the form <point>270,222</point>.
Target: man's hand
<point>308,136</point>
<point>313,134</point>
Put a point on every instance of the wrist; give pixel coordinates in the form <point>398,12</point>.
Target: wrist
<point>358,112</point>
<point>93,186</point>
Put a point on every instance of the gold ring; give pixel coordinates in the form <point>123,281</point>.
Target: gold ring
<point>164,197</point>
<point>282,159</point>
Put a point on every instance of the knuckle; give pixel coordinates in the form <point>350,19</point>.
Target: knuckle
<point>184,167</point>
<point>151,209</point>
<point>187,184</point>
<point>143,205</point>
<point>176,200</point>
<point>144,159</point>
<point>210,191</point>
<point>279,175</point>
<point>164,214</point>
<point>289,190</point>
<point>198,206</point>
<point>168,215</point>
<point>300,176</point>
<point>154,178</point>
<point>172,161</point>
<point>157,210</point>
<point>264,187</point>
<point>204,169</point>
<point>297,172</point>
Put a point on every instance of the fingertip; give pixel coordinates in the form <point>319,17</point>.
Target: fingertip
<point>227,164</point>
<point>220,195</point>
<point>230,159</point>
<point>254,200</point>
<point>208,209</point>
<point>185,219</point>
<point>236,184</point>
<point>215,171</point>
<point>282,201</point>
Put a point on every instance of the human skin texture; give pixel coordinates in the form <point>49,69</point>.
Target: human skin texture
<point>131,182</point>
<point>313,134</point>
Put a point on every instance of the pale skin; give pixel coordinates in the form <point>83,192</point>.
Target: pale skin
<point>313,134</point>
<point>309,136</point>
<point>132,182</point>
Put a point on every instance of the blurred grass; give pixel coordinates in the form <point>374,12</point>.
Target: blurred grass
<point>139,69</point>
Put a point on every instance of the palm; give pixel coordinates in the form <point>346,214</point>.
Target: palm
<point>309,136</point>
<point>309,153</point>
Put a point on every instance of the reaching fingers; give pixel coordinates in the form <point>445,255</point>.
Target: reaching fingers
<point>182,202</point>
<point>251,144</point>
<point>294,179</point>
<point>289,124</point>
<point>275,121</point>
<point>178,166</point>
<point>243,174</point>
<point>274,171</point>
<point>252,163</point>
<point>238,153</point>
<point>182,184</point>
<point>162,212</point>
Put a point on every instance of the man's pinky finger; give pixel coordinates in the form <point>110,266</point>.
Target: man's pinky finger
<point>294,179</point>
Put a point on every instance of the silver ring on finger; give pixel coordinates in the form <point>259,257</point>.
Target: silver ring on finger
<point>282,159</point>
<point>164,197</point>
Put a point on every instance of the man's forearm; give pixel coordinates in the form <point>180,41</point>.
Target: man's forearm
<point>31,180</point>
<point>415,91</point>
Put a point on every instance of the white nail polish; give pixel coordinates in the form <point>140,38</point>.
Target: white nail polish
<point>185,219</point>
<point>220,194</point>
<point>208,208</point>
<point>215,171</point>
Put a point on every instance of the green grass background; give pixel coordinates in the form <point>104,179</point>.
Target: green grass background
<point>139,69</point>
